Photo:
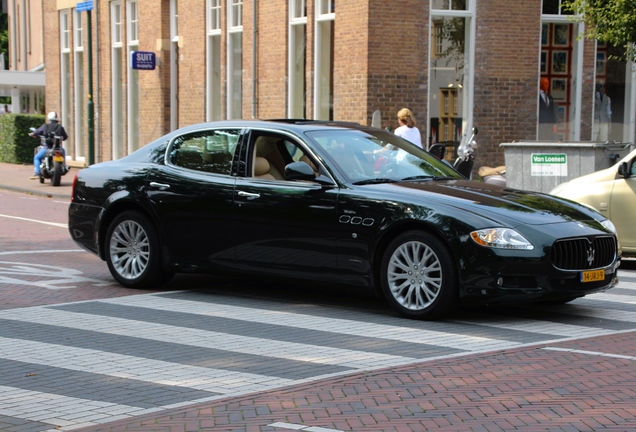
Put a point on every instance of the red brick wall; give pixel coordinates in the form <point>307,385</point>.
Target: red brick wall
<point>271,74</point>
<point>398,60</point>
<point>508,37</point>
<point>191,61</point>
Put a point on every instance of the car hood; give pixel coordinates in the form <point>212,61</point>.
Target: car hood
<point>608,174</point>
<point>525,207</point>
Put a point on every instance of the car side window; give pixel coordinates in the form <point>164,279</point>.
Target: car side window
<point>209,150</point>
<point>272,153</point>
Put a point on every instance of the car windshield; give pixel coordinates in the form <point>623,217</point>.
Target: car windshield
<point>376,156</point>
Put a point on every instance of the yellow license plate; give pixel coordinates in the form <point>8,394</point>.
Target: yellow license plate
<point>592,275</point>
<point>58,158</point>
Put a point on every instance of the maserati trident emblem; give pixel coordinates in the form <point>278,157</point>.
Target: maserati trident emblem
<point>590,255</point>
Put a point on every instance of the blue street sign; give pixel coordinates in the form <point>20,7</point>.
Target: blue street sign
<point>145,60</point>
<point>84,6</point>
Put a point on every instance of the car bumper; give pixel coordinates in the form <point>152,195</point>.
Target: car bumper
<point>500,286</point>
<point>83,226</point>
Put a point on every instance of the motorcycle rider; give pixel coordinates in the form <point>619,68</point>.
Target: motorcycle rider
<point>46,129</point>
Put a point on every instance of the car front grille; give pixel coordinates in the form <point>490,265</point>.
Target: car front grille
<point>583,253</point>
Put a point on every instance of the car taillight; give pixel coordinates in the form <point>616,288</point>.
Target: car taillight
<point>73,187</point>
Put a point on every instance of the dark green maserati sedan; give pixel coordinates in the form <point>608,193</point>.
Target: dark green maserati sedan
<point>335,202</point>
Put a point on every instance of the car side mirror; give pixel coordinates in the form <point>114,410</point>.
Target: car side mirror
<point>299,171</point>
<point>624,170</point>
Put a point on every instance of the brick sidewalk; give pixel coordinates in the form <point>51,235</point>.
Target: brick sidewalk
<point>591,387</point>
<point>15,177</point>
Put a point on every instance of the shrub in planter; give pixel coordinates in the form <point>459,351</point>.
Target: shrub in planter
<point>16,146</point>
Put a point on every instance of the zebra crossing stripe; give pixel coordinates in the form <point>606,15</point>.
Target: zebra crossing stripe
<point>310,322</point>
<point>208,339</point>
<point>62,411</point>
<point>122,366</point>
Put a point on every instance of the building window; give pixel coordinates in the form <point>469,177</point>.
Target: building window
<point>554,7</point>
<point>451,69</point>
<point>449,4</point>
<point>174,64</point>
<point>79,31</point>
<point>326,7</point>
<point>78,86</point>
<point>117,85</point>
<point>133,23</point>
<point>65,71</point>
<point>214,15</point>
<point>296,90</point>
<point>298,10</point>
<point>235,60</point>
<point>559,53</point>
<point>438,38</point>
<point>213,61</point>
<point>323,60</point>
<point>132,20</point>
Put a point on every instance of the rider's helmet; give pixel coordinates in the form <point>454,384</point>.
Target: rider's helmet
<point>53,117</point>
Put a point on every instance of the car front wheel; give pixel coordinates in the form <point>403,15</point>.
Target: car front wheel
<point>418,276</point>
<point>133,252</point>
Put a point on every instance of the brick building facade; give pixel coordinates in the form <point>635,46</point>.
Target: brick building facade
<point>452,62</point>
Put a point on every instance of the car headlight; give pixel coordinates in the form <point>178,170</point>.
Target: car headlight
<point>609,225</point>
<point>502,238</point>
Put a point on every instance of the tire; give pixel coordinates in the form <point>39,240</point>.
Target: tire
<point>57,173</point>
<point>419,277</point>
<point>41,178</point>
<point>133,252</point>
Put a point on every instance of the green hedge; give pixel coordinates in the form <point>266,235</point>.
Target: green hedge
<point>16,146</point>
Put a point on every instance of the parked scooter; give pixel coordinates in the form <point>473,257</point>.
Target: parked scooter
<point>466,156</point>
<point>52,166</point>
<point>466,160</point>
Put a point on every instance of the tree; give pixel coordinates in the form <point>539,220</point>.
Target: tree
<point>611,21</point>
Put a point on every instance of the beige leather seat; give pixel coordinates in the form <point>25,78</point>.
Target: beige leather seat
<point>266,148</point>
<point>262,168</point>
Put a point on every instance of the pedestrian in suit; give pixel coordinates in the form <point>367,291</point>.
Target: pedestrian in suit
<point>547,112</point>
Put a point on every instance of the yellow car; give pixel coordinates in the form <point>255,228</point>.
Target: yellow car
<point>612,192</point>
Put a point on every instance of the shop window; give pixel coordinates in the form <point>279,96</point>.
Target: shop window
<point>556,67</point>
<point>450,74</point>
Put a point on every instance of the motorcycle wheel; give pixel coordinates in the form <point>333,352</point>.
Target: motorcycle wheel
<point>133,252</point>
<point>41,178</point>
<point>57,174</point>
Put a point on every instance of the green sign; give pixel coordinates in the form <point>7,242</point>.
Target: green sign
<point>543,158</point>
<point>548,164</point>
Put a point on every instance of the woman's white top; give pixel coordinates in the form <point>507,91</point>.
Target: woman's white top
<point>410,134</point>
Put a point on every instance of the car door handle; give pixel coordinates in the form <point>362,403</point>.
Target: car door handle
<point>161,186</point>
<point>248,195</point>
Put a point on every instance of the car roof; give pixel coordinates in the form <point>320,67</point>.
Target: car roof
<point>295,125</point>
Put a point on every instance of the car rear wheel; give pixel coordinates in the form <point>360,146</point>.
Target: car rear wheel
<point>133,252</point>
<point>418,276</point>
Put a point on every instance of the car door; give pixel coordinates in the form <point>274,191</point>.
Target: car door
<point>283,227</point>
<point>192,197</point>
<point>623,208</point>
